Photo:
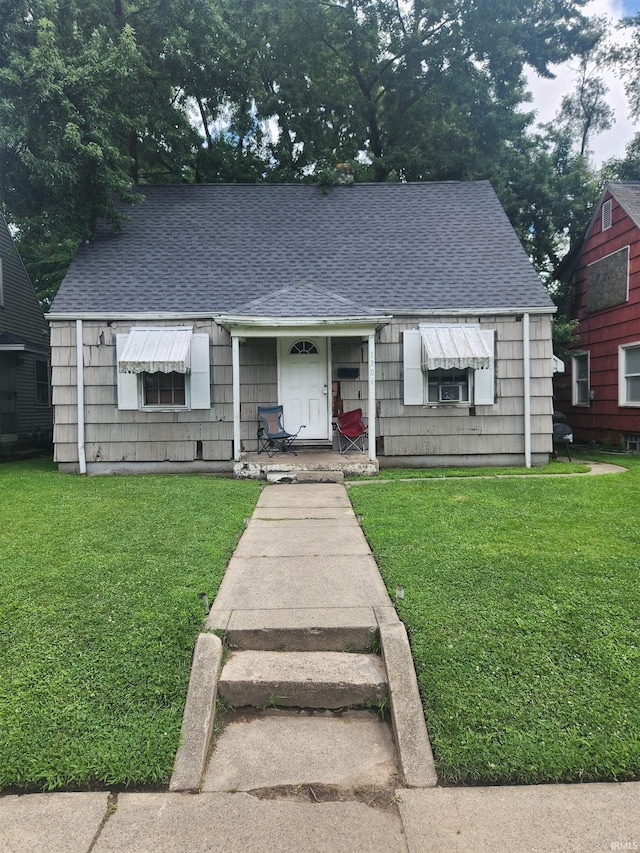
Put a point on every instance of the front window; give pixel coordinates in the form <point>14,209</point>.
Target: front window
<point>580,375</point>
<point>164,389</point>
<point>448,386</point>
<point>42,383</point>
<point>629,370</point>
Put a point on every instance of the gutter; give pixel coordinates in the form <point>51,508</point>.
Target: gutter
<point>106,316</point>
<point>82,460</point>
<point>470,312</point>
<point>224,318</point>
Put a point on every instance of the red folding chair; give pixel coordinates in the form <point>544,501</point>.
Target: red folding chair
<point>351,431</point>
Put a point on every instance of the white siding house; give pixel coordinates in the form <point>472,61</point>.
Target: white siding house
<point>414,302</point>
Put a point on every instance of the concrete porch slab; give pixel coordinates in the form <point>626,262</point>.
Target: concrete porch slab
<point>274,583</point>
<point>259,466</point>
<point>290,748</point>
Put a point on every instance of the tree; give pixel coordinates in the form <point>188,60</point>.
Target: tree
<point>91,101</point>
<point>427,89</point>
<point>94,97</point>
<point>627,60</point>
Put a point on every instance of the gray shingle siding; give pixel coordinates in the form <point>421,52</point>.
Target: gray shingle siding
<point>390,247</point>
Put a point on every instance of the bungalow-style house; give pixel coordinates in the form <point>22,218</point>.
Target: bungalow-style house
<point>413,302</point>
<point>26,415</point>
<point>600,395</point>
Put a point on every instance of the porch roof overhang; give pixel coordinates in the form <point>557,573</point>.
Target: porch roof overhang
<point>159,350</point>
<point>13,347</point>
<point>11,342</point>
<point>257,327</point>
<point>454,348</point>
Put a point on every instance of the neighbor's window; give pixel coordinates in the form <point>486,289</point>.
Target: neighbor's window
<point>448,386</point>
<point>629,375</point>
<point>580,377</point>
<point>164,389</point>
<point>42,383</point>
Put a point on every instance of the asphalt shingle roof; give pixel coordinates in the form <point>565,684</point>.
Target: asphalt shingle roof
<point>627,194</point>
<point>294,250</point>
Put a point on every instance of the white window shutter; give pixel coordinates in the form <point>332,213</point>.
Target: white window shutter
<point>484,378</point>
<point>200,372</point>
<point>127,382</point>
<point>413,375</point>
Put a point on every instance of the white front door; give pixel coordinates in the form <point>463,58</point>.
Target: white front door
<point>304,386</point>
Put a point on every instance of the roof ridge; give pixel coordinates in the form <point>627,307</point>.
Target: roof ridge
<point>291,288</point>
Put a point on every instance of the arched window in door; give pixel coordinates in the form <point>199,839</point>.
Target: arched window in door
<point>303,348</point>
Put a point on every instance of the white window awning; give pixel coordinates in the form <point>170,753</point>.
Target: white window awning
<point>454,348</point>
<point>157,350</point>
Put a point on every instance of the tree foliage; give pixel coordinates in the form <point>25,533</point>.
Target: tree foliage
<point>95,96</point>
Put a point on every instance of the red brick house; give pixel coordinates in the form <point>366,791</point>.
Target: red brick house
<point>600,393</point>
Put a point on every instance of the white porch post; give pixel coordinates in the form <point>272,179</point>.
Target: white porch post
<point>372,397</point>
<point>235,368</point>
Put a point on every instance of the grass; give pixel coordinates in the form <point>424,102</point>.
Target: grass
<point>521,600</point>
<point>99,611</point>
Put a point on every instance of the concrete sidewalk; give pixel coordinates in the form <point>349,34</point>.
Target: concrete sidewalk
<point>592,818</point>
<point>303,578</point>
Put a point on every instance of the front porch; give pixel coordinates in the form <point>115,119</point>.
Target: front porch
<point>306,465</point>
<point>312,366</point>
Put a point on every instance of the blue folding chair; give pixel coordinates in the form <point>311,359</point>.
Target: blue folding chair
<point>272,436</point>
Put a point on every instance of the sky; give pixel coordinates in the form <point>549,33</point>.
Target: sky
<point>548,94</point>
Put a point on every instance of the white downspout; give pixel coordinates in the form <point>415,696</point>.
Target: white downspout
<point>527,388</point>
<point>82,459</point>
<point>371,424</point>
<point>235,362</point>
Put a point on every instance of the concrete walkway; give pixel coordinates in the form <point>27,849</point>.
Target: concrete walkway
<point>301,576</point>
<point>596,818</point>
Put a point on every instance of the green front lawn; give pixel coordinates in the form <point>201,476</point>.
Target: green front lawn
<point>99,610</point>
<point>521,597</point>
<point>523,607</point>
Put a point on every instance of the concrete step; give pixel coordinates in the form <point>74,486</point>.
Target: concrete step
<point>304,476</point>
<point>291,748</point>
<point>338,629</point>
<point>302,679</point>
